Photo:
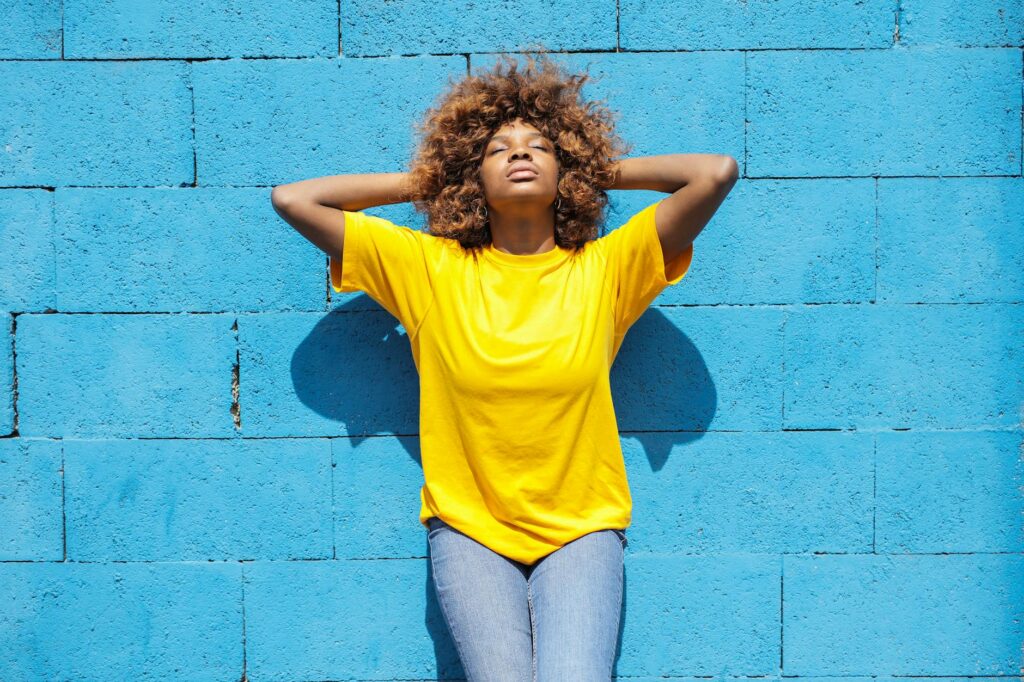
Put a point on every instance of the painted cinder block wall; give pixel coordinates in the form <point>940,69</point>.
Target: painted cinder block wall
<point>211,465</point>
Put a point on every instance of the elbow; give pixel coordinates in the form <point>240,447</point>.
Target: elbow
<point>729,171</point>
<point>279,196</point>
<point>283,196</point>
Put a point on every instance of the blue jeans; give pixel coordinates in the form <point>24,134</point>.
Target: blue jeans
<point>554,621</point>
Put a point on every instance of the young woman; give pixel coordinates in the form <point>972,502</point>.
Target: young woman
<point>515,310</point>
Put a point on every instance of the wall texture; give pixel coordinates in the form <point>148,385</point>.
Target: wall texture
<point>210,469</point>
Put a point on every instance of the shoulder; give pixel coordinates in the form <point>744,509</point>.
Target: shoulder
<point>380,228</point>
<point>635,232</point>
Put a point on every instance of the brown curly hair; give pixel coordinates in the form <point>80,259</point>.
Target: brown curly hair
<point>444,176</point>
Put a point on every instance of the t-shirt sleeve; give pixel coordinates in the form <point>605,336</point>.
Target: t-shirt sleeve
<point>637,267</point>
<point>390,263</point>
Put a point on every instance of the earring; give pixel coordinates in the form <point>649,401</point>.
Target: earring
<point>558,204</point>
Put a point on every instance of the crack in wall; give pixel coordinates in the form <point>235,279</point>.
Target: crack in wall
<point>327,281</point>
<point>618,45</point>
<point>896,27</point>
<point>14,375</point>
<point>236,408</point>
<point>334,544</point>
<point>192,98</point>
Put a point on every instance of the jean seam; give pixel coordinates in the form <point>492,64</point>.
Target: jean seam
<point>444,609</point>
<point>533,628</point>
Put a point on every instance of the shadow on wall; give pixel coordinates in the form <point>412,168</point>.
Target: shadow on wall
<point>355,367</point>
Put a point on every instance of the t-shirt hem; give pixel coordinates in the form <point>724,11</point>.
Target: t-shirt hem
<point>346,281</point>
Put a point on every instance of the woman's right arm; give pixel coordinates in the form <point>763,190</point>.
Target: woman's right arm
<point>314,207</point>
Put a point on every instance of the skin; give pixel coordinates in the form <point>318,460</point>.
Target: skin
<point>521,212</point>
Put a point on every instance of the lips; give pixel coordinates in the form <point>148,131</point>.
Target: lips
<point>522,171</point>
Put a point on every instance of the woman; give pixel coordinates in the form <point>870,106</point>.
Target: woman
<point>514,312</point>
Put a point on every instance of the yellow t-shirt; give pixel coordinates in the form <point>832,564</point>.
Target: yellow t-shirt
<point>518,438</point>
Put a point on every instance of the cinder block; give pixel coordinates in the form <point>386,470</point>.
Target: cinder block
<point>31,30</point>
<point>117,29</point>
<point>371,28</point>
<point>949,615</point>
<point>347,373</point>
<point>951,240</point>
<point>982,23</point>
<point>134,621</point>
<point>183,499</point>
<point>950,491</point>
<point>777,242</point>
<point>941,111</point>
<point>904,366</point>
<point>188,250</point>
<point>318,620</point>
<point>27,273</point>
<point>701,615</point>
<point>781,25</point>
<point>775,493</point>
<point>377,484</point>
<point>268,122</point>
<point>30,500</point>
<point>124,376</point>
<point>695,369</point>
<point>96,123</point>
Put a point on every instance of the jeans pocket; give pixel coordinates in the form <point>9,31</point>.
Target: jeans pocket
<point>434,525</point>
<point>622,536</point>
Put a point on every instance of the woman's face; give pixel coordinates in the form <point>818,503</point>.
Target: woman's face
<point>513,146</point>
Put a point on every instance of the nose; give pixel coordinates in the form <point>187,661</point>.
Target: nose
<point>520,153</point>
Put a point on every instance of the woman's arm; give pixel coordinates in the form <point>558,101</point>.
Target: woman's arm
<point>698,183</point>
<point>352,192</point>
<point>314,207</point>
<point>670,172</point>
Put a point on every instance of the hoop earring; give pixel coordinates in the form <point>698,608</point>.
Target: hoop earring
<point>558,204</point>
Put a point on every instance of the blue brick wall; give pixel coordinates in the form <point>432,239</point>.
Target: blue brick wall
<point>209,467</point>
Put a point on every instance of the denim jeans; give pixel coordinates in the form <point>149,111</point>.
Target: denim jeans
<point>554,621</point>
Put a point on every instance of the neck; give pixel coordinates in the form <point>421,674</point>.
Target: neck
<point>523,229</point>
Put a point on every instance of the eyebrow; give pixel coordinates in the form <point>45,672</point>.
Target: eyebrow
<point>505,137</point>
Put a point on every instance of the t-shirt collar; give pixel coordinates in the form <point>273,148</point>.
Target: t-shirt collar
<point>525,260</point>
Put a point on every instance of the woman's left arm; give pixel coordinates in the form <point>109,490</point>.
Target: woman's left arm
<point>698,184</point>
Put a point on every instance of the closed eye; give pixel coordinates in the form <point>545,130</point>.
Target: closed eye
<point>501,149</point>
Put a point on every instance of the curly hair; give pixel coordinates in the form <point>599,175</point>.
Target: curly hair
<point>444,177</point>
